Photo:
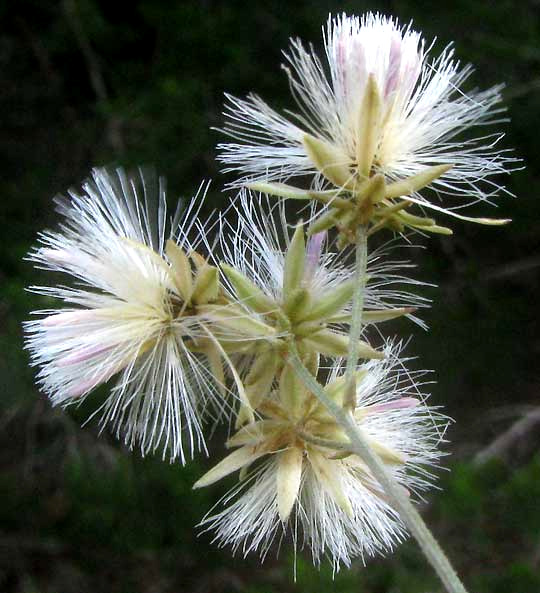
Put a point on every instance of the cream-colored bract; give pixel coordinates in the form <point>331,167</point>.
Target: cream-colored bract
<point>418,122</point>
<point>338,509</point>
<point>121,315</point>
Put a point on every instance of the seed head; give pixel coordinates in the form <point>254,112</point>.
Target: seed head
<point>131,312</point>
<point>298,474</point>
<point>379,123</point>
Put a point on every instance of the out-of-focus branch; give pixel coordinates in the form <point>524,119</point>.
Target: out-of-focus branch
<point>40,52</point>
<point>517,91</point>
<point>512,268</point>
<point>505,441</point>
<point>114,123</point>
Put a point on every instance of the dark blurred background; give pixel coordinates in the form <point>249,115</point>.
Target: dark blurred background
<point>88,82</point>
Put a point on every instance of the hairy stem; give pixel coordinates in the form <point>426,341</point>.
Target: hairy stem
<point>356,315</point>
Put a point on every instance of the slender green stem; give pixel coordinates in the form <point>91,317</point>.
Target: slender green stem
<point>356,313</point>
<point>398,498</point>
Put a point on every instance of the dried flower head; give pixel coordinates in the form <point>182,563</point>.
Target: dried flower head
<point>297,473</point>
<point>382,122</point>
<point>131,312</point>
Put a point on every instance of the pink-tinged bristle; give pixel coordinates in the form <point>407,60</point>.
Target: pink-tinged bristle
<point>341,62</point>
<point>394,65</point>
<point>89,384</point>
<point>85,386</point>
<point>68,318</point>
<point>313,254</point>
<point>398,404</point>
<point>82,355</point>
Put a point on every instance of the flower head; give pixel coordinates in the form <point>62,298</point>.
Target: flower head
<point>259,245</point>
<point>304,478</point>
<point>382,111</point>
<point>132,312</point>
<point>295,289</point>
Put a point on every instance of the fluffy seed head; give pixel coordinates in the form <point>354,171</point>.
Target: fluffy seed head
<point>381,105</point>
<point>127,313</point>
<point>303,480</point>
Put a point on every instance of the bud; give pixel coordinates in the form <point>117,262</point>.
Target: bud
<point>329,160</point>
<point>232,321</point>
<point>330,343</point>
<point>181,269</point>
<point>415,183</point>
<point>230,464</point>
<point>289,474</point>
<point>206,286</point>
<point>330,304</point>
<point>247,292</point>
<point>293,270</point>
<point>369,119</point>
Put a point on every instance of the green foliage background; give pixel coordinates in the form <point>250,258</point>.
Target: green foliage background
<point>88,82</point>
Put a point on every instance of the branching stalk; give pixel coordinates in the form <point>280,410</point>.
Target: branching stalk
<point>359,443</point>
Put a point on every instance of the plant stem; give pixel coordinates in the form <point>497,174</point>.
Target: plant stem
<point>359,444</point>
<point>356,314</point>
